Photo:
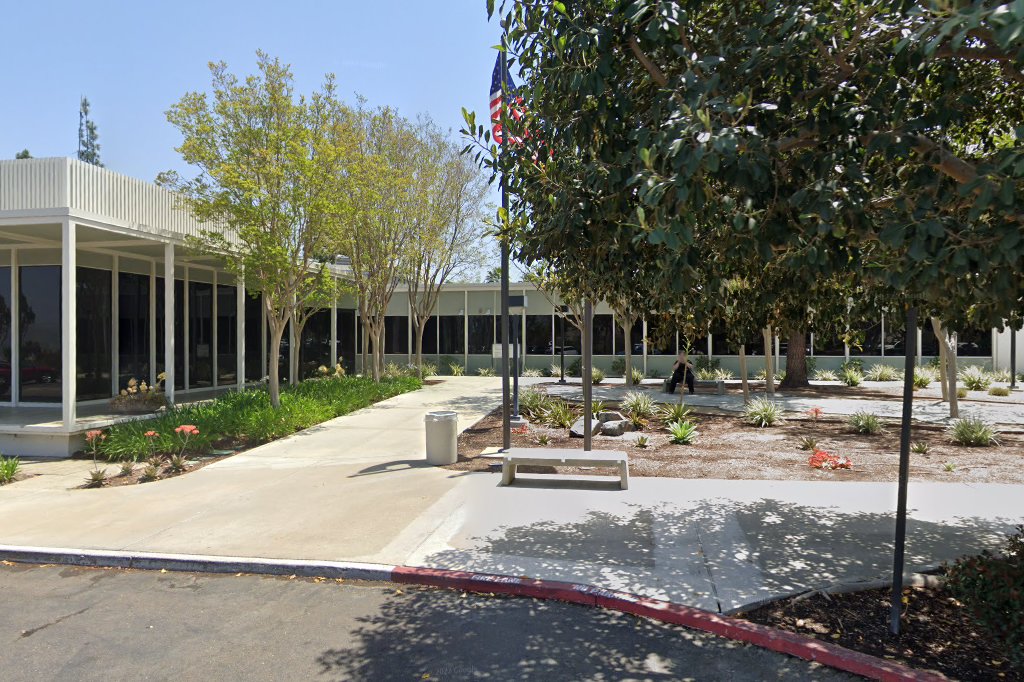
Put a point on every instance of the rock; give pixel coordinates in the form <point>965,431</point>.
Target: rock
<point>576,431</point>
<point>609,416</point>
<point>616,428</point>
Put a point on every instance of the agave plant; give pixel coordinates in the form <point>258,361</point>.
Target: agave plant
<point>674,412</point>
<point>560,413</point>
<point>683,432</point>
<point>638,404</point>
<point>762,412</point>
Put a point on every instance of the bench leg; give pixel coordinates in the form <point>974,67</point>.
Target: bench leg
<point>508,473</point>
<point>720,388</point>
<point>624,475</point>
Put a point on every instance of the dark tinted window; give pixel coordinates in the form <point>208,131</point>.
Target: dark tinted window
<point>200,334</point>
<point>39,327</point>
<point>133,327</point>
<point>94,352</point>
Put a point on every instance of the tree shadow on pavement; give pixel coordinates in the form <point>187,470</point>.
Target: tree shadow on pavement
<point>440,635</point>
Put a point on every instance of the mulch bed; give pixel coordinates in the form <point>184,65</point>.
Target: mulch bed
<point>937,632</point>
<point>222,449</point>
<point>727,448</point>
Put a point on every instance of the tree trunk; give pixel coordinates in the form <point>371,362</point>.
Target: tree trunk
<point>947,364</point>
<point>627,333</point>
<point>743,374</point>
<point>295,353</point>
<point>375,338</point>
<point>365,332</point>
<point>420,328</point>
<point>937,328</point>
<point>272,365</point>
<point>796,361</point>
<point>769,371</point>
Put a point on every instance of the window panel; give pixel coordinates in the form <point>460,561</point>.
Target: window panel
<point>94,348</point>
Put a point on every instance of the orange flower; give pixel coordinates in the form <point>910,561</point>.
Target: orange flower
<point>151,434</point>
<point>94,435</point>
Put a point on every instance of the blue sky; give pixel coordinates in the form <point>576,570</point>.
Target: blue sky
<point>134,59</point>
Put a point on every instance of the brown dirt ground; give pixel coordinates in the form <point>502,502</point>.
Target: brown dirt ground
<point>937,632</point>
<point>727,448</point>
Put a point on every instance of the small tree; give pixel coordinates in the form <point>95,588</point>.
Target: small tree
<point>88,137</point>
<point>269,164</point>
<point>23,154</point>
<point>448,216</point>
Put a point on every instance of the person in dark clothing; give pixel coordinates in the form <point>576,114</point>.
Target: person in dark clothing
<point>682,370</point>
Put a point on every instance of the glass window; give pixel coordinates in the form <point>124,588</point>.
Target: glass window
<point>347,334</point>
<point>94,352</point>
<point>396,335</point>
<point>253,334</point>
<point>573,339</point>
<point>200,333</point>
<point>603,334</point>
<point>895,342</point>
<point>430,336</point>
<point>538,335</point>
<point>451,333</point>
<point>482,333</point>
<point>315,349</point>
<point>974,343</point>
<point>636,339</point>
<point>227,335</point>
<point>829,345</point>
<point>39,333</point>
<point>5,333</point>
<point>132,328</point>
<point>929,344</point>
<point>663,341</point>
<point>870,342</point>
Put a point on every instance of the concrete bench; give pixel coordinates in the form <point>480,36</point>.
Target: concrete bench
<point>718,385</point>
<point>515,457</point>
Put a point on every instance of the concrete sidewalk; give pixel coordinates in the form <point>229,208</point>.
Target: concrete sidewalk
<point>348,489</point>
<point>357,488</point>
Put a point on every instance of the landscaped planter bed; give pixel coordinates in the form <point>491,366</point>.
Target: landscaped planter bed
<point>727,448</point>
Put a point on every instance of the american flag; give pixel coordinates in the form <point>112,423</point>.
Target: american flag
<point>497,101</point>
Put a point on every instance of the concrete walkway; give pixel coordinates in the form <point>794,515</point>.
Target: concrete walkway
<point>357,489</point>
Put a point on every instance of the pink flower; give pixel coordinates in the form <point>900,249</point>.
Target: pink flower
<point>187,429</point>
<point>94,435</point>
<point>151,434</point>
<point>815,413</point>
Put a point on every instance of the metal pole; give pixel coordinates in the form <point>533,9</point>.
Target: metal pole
<point>901,502</point>
<point>1013,354</point>
<point>506,425</point>
<point>515,367</point>
<point>561,352</point>
<point>588,381</point>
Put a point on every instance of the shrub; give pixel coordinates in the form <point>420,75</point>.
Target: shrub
<point>8,468</point>
<point>948,467</point>
<point>825,375</point>
<point>638,376</point>
<point>974,378</point>
<point>923,377</point>
<point>554,370</point>
<point>637,404</point>
<point>705,374</point>
<point>762,412</point>
<point>883,373</point>
<point>532,372</point>
<point>865,422</point>
<point>429,369</point>
<point>618,368</point>
<point>1001,391</point>
<point>674,412</point>
<point>642,441</point>
<point>596,375</point>
<point>150,473</point>
<point>97,477</point>
<point>574,368</point>
<point>920,447</point>
<point>809,443</point>
<point>178,463</point>
<point>597,407</point>
<point>638,422</point>
<point>485,372</point>
<point>705,362</point>
<point>854,364</point>
<point>722,374</point>
<point>533,402</point>
<point>456,369</point>
<point>1000,375</point>
<point>559,413</point>
<point>543,439</point>
<point>127,468</point>
<point>851,377</point>
<point>973,432</point>
<point>961,393</point>
<point>683,432</point>
<point>991,586</point>
<point>394,371</point>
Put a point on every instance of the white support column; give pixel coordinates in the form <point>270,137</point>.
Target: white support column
<point>240,331</point>
<point>643,326</point>
<point>919,346</point>
<point>115,327</point>
<point>408,329</point>
<point>187,338</point>
<point>881,338</point>
<point>264,350</point>
<point>152,323</point>
<point>15,329</point>
<point>69,314</point>
<point>293,353</point>
<point>465,329</point>
<point>169,322</point>
<point>334,330</point>
<point>214,323</point>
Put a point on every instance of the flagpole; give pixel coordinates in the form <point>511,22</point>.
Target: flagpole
<point>506,417</point>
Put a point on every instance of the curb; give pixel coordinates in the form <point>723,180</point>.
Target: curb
<point>763,636</point>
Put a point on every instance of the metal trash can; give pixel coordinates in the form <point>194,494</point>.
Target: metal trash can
<point>442,435</point>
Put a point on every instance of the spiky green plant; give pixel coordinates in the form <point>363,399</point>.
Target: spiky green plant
<point>97,478</point>
<point>533,402</point>
<point>543,439</point>
<point>882,373</point>
<point>456,369</point>
<point>865,422</point>
<point>127,468</point>
<point>722,374</point>
<point>674,412</point>
<point>596,375</point>
<point>974,378</point>
<point>559,413</point>
<point>8,468</point>
<point>485,372</point>
<point>637,404</point>
<point>642,441</point>
<point>809,443</point>
<point>825,375</point>
<point>177,463</point>
<point>683,432</point>
<point>150,473</point>
<point>638,376</point>
<point>762,412</point>
<point>597,407</point>
<point>999,391</point>
<point>920,447</point>
<point>851,377</point>
<point>973,432</point>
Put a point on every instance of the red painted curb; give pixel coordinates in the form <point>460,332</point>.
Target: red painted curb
<point>770,638</point>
